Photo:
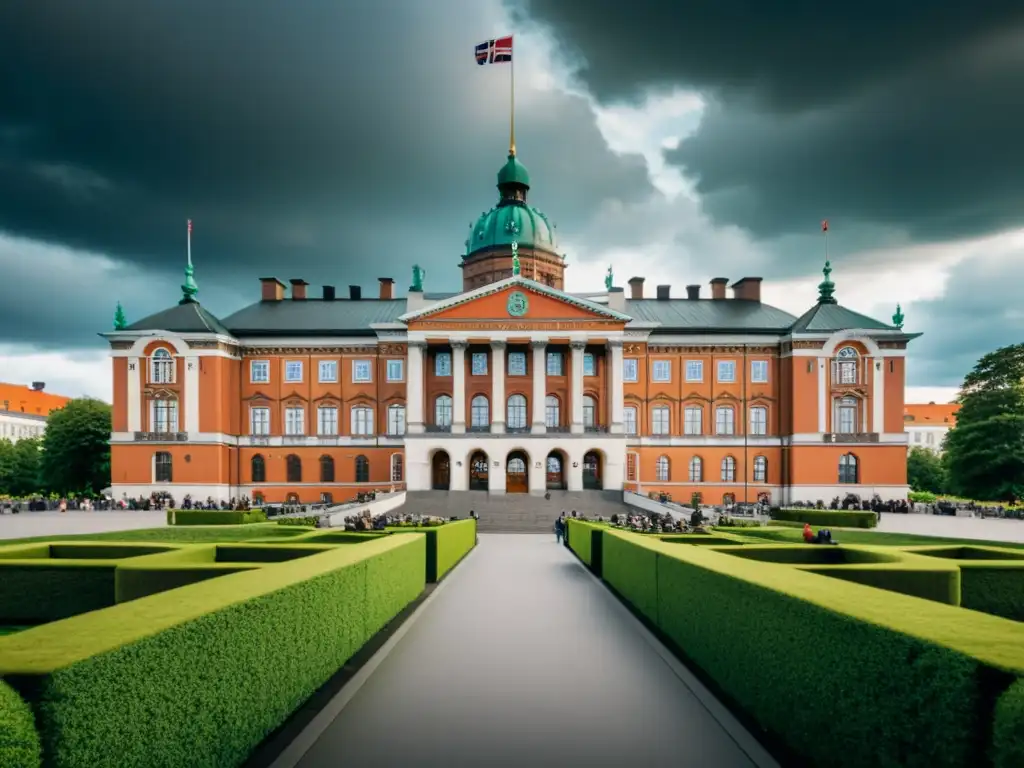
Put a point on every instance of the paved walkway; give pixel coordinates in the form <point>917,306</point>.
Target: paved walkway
<point>27,524</point>
<point>522,658</point>
<point>990,529</point>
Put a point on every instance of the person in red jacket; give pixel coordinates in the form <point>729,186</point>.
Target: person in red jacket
<point>808,534</point>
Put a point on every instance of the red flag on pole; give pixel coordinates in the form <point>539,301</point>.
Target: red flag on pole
<point>824,225</point>
<point>190,226</point>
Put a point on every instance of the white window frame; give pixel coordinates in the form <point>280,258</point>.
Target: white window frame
<point>846,366</point>
<point>693,420</point>
<point>290,366</point>
<point>295,420</point>
<point>517,364</point>
<point>362,371</point>
<point>443,365</point>
<point>161,367</point>
<point>661,420</point>
<point>396,420</point>
<point>629,419</point>
<point>758,420</point>
<point>728,469</point>
<point>478,364</point>
<point>479,415</point>
<point>589,411</point>
<point>841,407</point>
<point>524,412</point>
<point>552,412</point>
<point>760,469</point>
<point>259,426</point>
<point>630,369</point>
<point>171,410</point>
<point>589,364</point>
<point>725,420</point>
<point>444,411</point>
<point>758,371</point>
<point>662,469</point>
<point>554,364</point>
<point>327,371</point>
<point>726,372</point>
<point>661,370</point>
<point>695,469</point>
<point>695,370</point>
<point>259,371</point>
<point>397,468</point>
<point>327,420</point>
<point>362,421</point>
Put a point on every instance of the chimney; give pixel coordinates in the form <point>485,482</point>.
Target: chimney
<point>718,287</point>
<point>747,289</point>
<point>387,288</point>
<point>617,299</point>
<point>328,293</point>
<point>273,289</point>
<point>38,386</point>
<point>636,287</point>
<point>663,292</point>
<point>298,289</point>
<point>693,292</point>
<point>355,293</point>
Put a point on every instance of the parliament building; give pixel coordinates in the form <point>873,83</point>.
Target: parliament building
<point>512,385</point>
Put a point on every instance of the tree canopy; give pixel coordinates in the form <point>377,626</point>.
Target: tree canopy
<point>19,467</point>
<point>76,448</point>
<point>984,452</point>
<point>926,471</point>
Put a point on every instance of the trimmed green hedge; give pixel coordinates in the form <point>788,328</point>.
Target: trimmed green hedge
<point>991,578</point>
<point>446,545</point>
<point>215,516</point>
<point>891,679</point>
<point>835,518</point>
<point>201,675</point>
<point>19,742</point>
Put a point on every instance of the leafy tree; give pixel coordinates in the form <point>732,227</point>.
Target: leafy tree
<point>984,453</point>
<point>76,448</point>
<point>926,471</point>
<point>19,467</point>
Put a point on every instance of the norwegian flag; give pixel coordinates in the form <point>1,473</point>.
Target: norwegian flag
<point>190,226</point>
<point>495,51</point>
<point>824,225</point>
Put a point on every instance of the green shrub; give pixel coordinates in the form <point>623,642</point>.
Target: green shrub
<point>308,521</point>
<point>446,545</point>
<point>922,497</point>
<point>215,516</point>
<point>201,675</point>
<point>993,587</point>
<point>145,576</point>
<point>836,518</point>
<point>1008,731</point>
<point>579,534</point>
<point>19,742</point>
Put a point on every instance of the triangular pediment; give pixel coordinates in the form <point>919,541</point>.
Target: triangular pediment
<point>516,299</point>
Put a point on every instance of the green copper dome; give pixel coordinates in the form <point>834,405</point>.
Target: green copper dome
<point>513,172</point>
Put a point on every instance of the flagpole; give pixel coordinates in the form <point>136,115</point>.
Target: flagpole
<point>190,242</point>
<point>512,113</point>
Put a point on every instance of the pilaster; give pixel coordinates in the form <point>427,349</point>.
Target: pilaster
<point>540,372</point>
<point>498,406</point>
<point>458,386</point>
<point>576,396</point>
<point>414,388</point>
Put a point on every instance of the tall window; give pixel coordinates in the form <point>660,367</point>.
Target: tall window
<point>631,467</point>
<point>161,367</point>
<point>630,369</point>
<point>758,420</point>
<point>696,470</point>
<point>846,415</point>
<point>396,468</point>
<point>844,367</point>
<point>294,421</point>
<point>725,420</point>
<point>516,363</point>
<point>479,412</point>
<point>516,412</point>
<point>396,419</point>
<point>728,470</point>
<point>443,411</point>
<point>443,364</point>
<point>327,420</point>
<point>362,469</point>
<point>589,365</point>
<point>362,421</point>
<point>693,420</point>
<point>162,465</point>
<point>660,420</point>
<point>760,469</point>
<point>293,466</point>
<point>847,468</point>
<point>661,370</point>
<point>326,469</point>
<point>554,363</point>
<point>478,363</point>
<point>629,419</point>
<point>258,469</point>
<point>164,415</point>
<point>661,469</point>
<point>589,411</point>
<point>552,412</point>
<point>259,421</point>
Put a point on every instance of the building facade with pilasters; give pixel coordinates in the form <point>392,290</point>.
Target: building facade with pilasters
<point>511,385</point>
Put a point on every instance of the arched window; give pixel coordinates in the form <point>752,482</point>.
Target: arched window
<point>696,470</point>
<point>552,412</point>
<point>759,420</point>
<point>845,416</point>
<point>326,469</point>
<point>728,470</point>
<point>396,419</point>
<point>725,420</point>
<point>362,469</point>
<point>480,412</point>
<point>589,412</point>
<point>760,469</point>
<point>848,468</point>
<point>161,367</point>
<point>693,420</point>
<point>661,420</point>
<point>294,468</point>
<point>362,421</point>
<point>162,465</point>
<point>516,412</point>
<point>845,366</point>
<point>443,411</point>
<point>661,469</point>
<point>258,469</point>
<point>396,468</point>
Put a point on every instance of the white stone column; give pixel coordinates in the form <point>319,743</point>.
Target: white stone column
<point>822,394</point>
<point>458,386</point>
<point>878,396</point>
<point>135,393</point>
<point>497,400</point>
<point>576,394</point>
<point>616,391</point>
<point>540,389</point>
<point>192,396</point>
<point>414,389</point>
<point>574,470</point>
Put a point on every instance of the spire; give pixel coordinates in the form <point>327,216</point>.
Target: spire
<point>608,278</point>
<point>826,288</point>
<point>898,318</point>
<point>189,289</point>
<point>120,323</point>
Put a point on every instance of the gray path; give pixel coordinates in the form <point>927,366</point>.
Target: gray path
<point>26,524</point>
<point>522,658</point>
<point>991,529</point>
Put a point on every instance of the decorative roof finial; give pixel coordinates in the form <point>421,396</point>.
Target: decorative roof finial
<point>826,288</point>
<point>120,323</point>
<point>898,318</point>
<point>515,259</point>
<point>418,273</point>
<point>189,289</point>
<point>608,279</point>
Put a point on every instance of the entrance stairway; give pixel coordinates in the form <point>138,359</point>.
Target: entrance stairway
<point>513,512</point>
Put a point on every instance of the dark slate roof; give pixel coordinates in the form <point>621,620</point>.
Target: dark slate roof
<point>710,315</point>
<point>314,316</point>
<point>188,317</point>
<point>825,318</point>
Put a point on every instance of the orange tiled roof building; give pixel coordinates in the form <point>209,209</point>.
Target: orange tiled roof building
<point>512,385</point>
<point>926,424</point>
<point>24,409</point>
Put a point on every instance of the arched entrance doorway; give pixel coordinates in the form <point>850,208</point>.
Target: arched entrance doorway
<point>516,473</point>
<point>592,470</point>
<point>440,471</point>
<point>478,471</point>
<point>555,471</point>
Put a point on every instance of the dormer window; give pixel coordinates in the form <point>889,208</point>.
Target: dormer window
<point>845,366</point>
<point>161,367</point>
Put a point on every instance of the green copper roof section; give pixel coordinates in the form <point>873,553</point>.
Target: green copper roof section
<point>513,172</point>
<point>826,288</point>
<point>826,318</point>
<point>508,222</point>
<point>120,323</point>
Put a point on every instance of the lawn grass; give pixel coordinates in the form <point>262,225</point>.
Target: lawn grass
<point>193,534</point>
<point>862,536</point>
<point>10,629</point>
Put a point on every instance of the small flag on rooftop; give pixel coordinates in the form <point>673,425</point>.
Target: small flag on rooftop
<point>497,51</point>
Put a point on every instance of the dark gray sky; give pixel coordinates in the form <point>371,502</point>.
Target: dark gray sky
<point>340,142</point>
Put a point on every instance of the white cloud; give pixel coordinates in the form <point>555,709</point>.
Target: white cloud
<point>84,374</point>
